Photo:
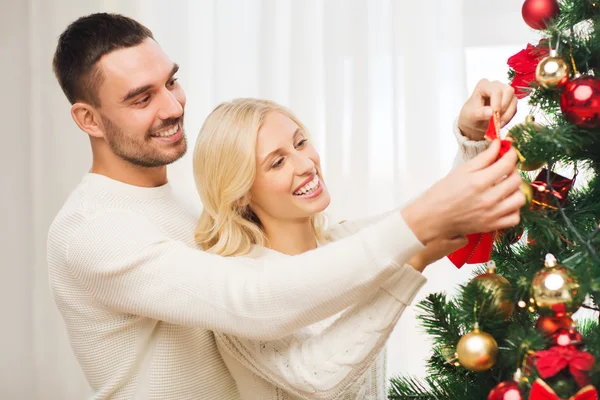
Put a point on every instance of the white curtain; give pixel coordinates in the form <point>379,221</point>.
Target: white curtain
<point>378,82</point>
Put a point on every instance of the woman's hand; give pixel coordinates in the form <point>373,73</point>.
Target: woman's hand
<point>435,250</point>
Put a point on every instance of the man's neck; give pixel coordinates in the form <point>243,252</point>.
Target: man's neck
<point>131,174</point>
<point>290,237</point>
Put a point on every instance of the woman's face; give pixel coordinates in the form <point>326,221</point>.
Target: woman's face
<point>288,184</point>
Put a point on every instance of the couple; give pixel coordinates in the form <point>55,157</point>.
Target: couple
<point>257,298</point>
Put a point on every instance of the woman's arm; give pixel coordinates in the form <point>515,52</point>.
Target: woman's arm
<point>324,365</point>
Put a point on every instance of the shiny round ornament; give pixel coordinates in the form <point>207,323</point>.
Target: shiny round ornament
<point>538,13</point>
<point>507,390</point>
<point>524,128</point>
<point>549,325</point>
<point>500,288</point>
<point>580,101</point>
<point>552,71</point>
<point>477,351</point>
<point>556,290</point>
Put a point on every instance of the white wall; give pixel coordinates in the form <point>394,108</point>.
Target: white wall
<point>16,229</point>
<point>16,225</point>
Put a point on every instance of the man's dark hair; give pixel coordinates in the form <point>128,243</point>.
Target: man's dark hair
<point>83,43</point>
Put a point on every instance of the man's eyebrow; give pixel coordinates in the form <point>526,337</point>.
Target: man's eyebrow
<point>139,90</point>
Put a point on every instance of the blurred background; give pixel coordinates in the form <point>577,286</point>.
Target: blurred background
<point>378,82</point>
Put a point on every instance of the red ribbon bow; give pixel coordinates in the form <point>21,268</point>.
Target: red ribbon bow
<point>550,362</point>
<point>479,248</point>
<point>541,391</point>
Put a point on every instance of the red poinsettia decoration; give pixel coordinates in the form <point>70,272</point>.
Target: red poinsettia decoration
<point>524,64</point>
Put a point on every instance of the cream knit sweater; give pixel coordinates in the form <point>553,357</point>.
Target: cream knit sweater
<point>342,358</point>
<point>140,303</point>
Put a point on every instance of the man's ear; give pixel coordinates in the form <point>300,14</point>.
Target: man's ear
<point>87,119</point>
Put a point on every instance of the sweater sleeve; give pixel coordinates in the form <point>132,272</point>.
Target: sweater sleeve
<point>467,149</point>
<point>323,365</point>
<point>125,263</point>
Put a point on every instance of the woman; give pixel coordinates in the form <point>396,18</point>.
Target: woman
<point>260,181</point>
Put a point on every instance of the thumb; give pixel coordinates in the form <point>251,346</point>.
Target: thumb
<point>482,113</point>
<point>486,158</point>
<point>457,243</point>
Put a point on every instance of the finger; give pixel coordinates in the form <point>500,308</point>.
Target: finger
<point>505,166</point>
<point>485,158</point>
<point>503,188</point>
<point>507,95</point>
<point>507,221</point>
<point>510,205</point>
<point>495,95</point>
<point>482,113</point>
<point>510,111</point>
<point>481,91</point>
<point>456,243</point>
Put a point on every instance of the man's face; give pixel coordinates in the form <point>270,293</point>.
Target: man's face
<point>142,105</point>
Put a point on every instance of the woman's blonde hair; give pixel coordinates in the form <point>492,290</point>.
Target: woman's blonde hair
<point>224,170</point>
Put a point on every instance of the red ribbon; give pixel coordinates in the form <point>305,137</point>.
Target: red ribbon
<point>550,362</point>
<point>480,245</point>
<point>541,391</point>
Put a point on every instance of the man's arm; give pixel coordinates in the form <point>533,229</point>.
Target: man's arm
<point>135,269</point>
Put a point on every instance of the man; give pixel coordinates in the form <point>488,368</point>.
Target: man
<point>140,302</point>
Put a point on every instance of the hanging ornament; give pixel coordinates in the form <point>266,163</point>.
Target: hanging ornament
<point>552,71</point>
<point>507,390</point>
<point>545,196</point>
<point>556,290</point>
<point>580,101</point>
<point>477,351</point>
<point>524,129</point>
<point>550,325</point>
<point>500,288</point>
<point>569,337</point>
<point>539,13</point>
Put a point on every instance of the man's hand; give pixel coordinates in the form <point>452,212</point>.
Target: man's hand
<point>486,98</point>
<point>482,195</point>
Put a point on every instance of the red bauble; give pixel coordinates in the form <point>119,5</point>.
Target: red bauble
<point>508,390</point>
<point>580,102</point>
<point>537,13</point>
<point>549,325</point>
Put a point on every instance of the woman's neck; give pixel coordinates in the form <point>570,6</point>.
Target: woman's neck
<point>290,237</point>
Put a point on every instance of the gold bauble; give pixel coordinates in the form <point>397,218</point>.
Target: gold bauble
<point>500,288</point>
<point>526,165</point>
<point>555,289</point>
<point>477,351</point>
<point>526,189</point>
<point>552,71</point>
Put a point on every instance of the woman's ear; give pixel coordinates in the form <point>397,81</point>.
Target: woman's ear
<point>244,201</point>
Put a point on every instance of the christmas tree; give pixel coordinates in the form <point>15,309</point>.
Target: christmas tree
<point>510,333</point>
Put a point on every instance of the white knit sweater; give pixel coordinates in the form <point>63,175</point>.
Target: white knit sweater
<point>140,302</point>
<point>341,358</point>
